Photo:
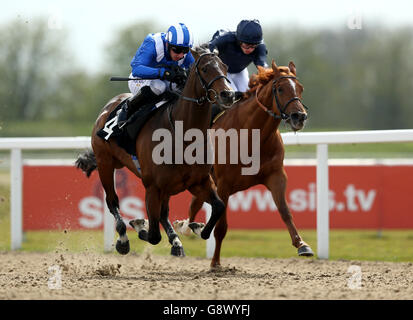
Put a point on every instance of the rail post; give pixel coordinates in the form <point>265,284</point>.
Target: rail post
<point>322,202</point>
<point>16,177</point>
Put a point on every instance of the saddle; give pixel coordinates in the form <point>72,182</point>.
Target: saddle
<point>126,138</point>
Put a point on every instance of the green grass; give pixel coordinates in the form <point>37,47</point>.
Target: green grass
<point>394,246</point>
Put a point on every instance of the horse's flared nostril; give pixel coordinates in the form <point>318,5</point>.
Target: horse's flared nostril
<point>227,96</point>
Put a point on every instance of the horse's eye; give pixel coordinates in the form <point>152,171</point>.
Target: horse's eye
<point>204,69</point>
<point>280,90</point>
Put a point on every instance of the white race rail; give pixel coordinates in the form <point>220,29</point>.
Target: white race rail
<point>321,139</point>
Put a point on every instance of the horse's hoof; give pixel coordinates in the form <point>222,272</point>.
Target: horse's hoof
<point>305,251</point>
<point>205,235</point>
<point>177,251</point>
<point>122,248</point>
<point>196,227</point>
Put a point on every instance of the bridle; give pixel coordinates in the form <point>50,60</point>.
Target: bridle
<point>205,85</point>
<point>282,115</point>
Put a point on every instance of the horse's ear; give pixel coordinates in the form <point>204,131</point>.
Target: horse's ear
<point>291,66</point>
<point>275,67</point>
<point>194,54</point>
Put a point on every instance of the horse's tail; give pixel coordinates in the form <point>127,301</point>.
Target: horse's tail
<point>87,162</point>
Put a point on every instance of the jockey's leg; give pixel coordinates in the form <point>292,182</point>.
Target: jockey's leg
<point>145,91</point>
<point>239,81</point>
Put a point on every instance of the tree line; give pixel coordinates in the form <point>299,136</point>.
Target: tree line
<point>353,79</point>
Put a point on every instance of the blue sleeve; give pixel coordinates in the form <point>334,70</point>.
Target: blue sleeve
<point>189,59</point>
<point>144,61</point>
<point>261,56</point>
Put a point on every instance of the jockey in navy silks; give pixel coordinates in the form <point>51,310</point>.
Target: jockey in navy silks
<point>159,61</point>
<point>238,49</point>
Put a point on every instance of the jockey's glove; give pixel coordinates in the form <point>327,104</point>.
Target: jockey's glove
<point>176,75</point>
<point>168,75</point>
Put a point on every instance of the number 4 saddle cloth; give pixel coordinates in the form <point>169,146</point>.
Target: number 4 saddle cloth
<point>126,137</point>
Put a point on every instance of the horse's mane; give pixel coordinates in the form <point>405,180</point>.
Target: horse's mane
<point>202,48</point>
<point>263,76</point>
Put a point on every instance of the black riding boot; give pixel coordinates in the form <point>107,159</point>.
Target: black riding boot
<point>144,96</point>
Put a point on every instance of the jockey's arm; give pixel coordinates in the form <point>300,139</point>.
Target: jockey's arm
<point>261,56</point>
<point>218,43</point>
<point>143,62</point>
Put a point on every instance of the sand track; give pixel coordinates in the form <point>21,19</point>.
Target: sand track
<point>145,276</point>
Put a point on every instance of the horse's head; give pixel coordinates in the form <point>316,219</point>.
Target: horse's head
<point>285,91</point>
<point>288,94</point>
<point>211,72</point>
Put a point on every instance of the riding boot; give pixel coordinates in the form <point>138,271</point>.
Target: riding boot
<point>144,96</point>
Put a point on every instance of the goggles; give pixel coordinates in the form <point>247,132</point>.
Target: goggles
<point>179,50</point>
<point>248,45</point>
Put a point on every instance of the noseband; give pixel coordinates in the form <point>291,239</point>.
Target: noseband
<point>205,85</point>
<point>282,115</point>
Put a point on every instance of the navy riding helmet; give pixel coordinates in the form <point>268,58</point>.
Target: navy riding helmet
<point>249,31</point>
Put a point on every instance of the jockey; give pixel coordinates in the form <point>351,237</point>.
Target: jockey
<point>238,49</point>
<point>160,60</point>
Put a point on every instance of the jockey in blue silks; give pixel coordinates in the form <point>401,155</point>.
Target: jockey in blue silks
<point>159,60</point>
<point>238,49</point>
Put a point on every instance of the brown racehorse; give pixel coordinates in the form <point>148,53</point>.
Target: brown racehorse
<point>275,95</point>
<point>206,84</point>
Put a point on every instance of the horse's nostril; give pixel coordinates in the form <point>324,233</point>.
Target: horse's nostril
<point>299,116</point>
<point>227,94</point>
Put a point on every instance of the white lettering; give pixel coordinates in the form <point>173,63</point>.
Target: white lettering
<point>164,147</point>
<point>298,200</point>
<point>264,200</point>
<point>92,208</point>
<point>131,207</point>
<point>366,202</point>
<point>350,194</point>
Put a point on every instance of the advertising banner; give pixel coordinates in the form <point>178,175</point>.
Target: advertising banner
<point>360,197</point>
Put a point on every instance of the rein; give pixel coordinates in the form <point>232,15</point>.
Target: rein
<point>282,115</point>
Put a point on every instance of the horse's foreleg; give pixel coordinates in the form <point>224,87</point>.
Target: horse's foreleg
<point>219,234</point>
<point>206,193</point>
<point>177,248</point>
<point>106,173</point>
<point>153,209</point>
<point>277,184</point>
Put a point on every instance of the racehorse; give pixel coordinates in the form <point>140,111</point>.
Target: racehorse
<point>275,95</point>
<point>206,84</point>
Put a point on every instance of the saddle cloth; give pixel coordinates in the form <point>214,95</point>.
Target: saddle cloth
<point>126,138</point>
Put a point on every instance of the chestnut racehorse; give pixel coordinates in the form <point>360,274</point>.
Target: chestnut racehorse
<point>275,95</point>
<point>206,84</point>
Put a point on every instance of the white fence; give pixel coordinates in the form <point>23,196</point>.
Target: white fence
<point>321,139</point>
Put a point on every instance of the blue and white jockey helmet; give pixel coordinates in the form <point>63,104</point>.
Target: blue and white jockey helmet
<point>249,31</point>
<point>178,35</point>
